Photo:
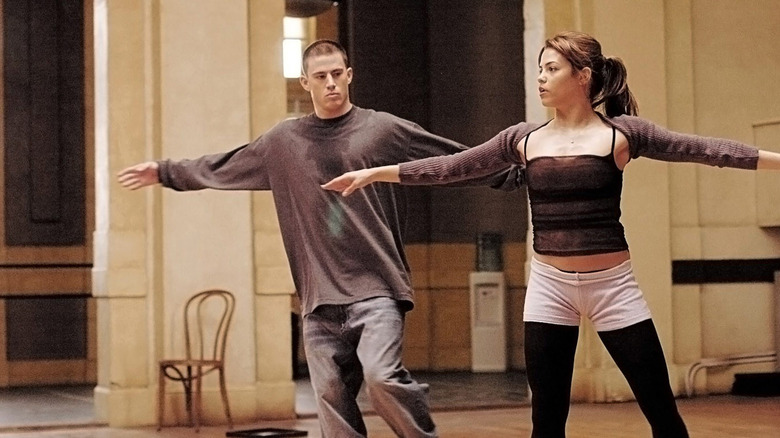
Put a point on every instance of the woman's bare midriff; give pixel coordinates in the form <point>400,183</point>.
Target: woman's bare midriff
<point>587,263</point>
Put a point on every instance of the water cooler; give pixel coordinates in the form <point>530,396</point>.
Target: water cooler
<point>488,307</point>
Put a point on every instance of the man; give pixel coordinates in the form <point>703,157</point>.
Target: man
<point>346,254</point>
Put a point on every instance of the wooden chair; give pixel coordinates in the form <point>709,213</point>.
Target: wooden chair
<point>205,352</point>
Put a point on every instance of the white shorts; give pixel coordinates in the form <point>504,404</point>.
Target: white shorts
<point>611,298</point>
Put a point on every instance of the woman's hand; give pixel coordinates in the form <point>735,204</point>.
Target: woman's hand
<point>768,160</point>
<point>349,182</point>
<point>140,175</point>
<point>357,179</point>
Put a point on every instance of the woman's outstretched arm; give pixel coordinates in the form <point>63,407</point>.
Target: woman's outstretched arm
<point>351,181</point>
<point>768,160</point>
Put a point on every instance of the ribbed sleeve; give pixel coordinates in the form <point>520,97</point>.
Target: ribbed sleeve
<point>490,157</point>
<point>649,140</point>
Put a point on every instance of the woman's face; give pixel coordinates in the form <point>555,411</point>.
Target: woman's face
<point>559,83</point>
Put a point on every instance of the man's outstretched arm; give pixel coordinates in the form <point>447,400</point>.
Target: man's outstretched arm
<point>139,175</point>
<point>242,168</point>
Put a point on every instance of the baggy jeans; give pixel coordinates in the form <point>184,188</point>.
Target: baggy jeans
<point>347,345</point>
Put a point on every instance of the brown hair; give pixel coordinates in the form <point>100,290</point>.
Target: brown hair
<point>322,47</point>
<point>608,84</point>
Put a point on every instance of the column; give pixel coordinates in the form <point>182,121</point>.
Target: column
<point>273,282</point>
<point>178,81</point>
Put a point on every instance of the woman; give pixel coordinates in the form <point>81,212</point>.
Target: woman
<point>581,266</point>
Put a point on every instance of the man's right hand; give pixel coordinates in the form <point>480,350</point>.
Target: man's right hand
<point>140,175</point>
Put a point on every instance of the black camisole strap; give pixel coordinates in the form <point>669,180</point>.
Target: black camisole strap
<point>525,147</point>
<point>613,141</point>
<point>525,144</point>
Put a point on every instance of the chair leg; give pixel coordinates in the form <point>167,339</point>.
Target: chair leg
<point>188,395</point>
<point>197,399</point>
<point>160,397</point>
<point>223,390</point>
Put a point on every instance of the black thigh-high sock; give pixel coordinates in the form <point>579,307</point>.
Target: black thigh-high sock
<point>637,352</point>
<point>549,358</point>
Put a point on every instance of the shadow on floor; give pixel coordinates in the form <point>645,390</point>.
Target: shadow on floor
<point>46,407</point>
<point>448,391</point>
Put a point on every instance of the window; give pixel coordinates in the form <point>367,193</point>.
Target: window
<point>296,36</point>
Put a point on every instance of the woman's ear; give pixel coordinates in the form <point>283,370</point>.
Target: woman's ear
<point>585,75</point>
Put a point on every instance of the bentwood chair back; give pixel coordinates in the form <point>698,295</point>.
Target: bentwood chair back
<point>207,317</point>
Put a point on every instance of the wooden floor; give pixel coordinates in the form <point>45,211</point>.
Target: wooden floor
<point>706,417</point>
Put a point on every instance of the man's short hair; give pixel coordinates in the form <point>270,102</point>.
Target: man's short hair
<point>322,47</point>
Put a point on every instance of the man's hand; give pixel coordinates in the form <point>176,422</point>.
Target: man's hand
<point>140,175</point>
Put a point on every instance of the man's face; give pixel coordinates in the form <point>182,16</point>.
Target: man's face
<point>327,80</point>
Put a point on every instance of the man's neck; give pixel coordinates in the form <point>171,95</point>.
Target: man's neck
<point>322,114</point>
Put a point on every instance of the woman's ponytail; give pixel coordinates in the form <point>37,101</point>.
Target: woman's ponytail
<point>614,93</point>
